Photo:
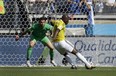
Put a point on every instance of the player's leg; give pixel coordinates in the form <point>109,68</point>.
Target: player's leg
<point>79,55</point>
<point>44,54</point>
<point>68,58</point>
<point>83,59</point>
<point>59,46</point>
<point>29,51</point>
<point>48,43</point>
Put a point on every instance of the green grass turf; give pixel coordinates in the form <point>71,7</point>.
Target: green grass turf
<point>56,71</point>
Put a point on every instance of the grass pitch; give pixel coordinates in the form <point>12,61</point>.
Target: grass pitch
<point>56,71</point>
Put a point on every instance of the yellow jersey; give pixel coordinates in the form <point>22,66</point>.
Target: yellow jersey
<point>59,24</point>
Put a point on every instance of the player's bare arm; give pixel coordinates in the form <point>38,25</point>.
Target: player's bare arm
<point>21,34</point>
<point>55,33</point>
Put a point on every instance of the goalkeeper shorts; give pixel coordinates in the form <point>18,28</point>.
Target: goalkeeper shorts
<point>43,40</point>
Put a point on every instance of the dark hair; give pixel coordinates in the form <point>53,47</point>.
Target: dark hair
<point>43,18</point>
<point>65,16</point>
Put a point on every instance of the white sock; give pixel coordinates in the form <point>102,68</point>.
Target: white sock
<point>69,59</point>
<point>82,58</point>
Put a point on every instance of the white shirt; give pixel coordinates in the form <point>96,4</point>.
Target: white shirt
<point>89,1</point>
<point>110,1</point>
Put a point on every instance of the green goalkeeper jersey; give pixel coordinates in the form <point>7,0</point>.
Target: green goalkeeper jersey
<point>39,31</point>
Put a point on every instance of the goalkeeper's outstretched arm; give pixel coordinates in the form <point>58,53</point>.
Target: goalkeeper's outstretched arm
<point>17,36</point>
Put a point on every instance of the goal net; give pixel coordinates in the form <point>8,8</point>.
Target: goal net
<point>20,14</point>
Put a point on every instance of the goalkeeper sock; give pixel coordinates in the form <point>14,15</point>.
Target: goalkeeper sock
<point>82,58</point>
<point>29,52</point>
<point>51,54</point>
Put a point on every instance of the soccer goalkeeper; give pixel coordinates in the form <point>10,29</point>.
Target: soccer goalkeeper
<point>38,33</point>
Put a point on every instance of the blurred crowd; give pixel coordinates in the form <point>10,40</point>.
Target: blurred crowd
<point>63,6</point>
<point>17,11</point>
<point>105,6</point>
<point>68,6</point>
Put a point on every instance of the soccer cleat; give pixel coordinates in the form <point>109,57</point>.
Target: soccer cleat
<point>89,67</point>
<point>73,67</point>
<point>92,66</point>
<point>53,63</point>
<point>28,64</point>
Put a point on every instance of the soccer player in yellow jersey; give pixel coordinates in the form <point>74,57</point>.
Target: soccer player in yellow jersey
<point>63,46</point>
